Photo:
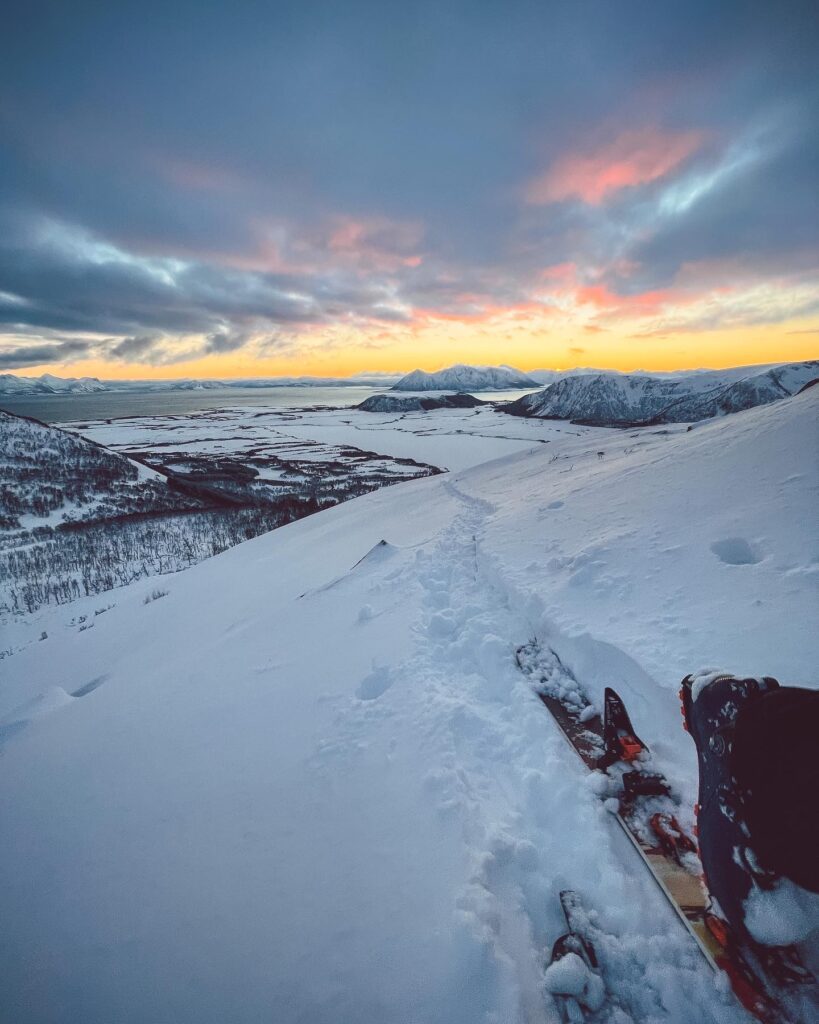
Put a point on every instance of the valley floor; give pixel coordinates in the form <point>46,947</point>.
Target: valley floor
<point>309,784</point>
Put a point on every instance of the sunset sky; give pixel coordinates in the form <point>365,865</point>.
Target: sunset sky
<point>247,188</point>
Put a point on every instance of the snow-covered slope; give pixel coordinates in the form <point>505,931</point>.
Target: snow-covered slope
<point>550,376</point>
<point>179,496</point>
<point>51,476</point>
<point>309,783</point>
<point>465,378</point>
<point>610,398</point>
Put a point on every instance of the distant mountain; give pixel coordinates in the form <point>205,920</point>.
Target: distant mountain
<point>703,376</point>
<point>550,376</point>
<point>466,378</point>
<point>613,399</point>
<point>415,403</point>
<point>47,384</point>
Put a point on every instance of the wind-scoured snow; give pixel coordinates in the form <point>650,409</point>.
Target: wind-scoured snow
<point>309,783</point>
<point>466,378</point>
<point>612,399</point>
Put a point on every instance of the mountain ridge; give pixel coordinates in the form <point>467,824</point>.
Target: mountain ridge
<point>611,399</point>
<point>12,385</point>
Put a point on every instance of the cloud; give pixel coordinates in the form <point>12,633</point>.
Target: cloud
<point>756,208</point>
<point>20,356</point>
<point>763,303</point>
<point>635,157</point>
<point>59,277</point>
<point>134,349</point>
<point>225,339</point>
<point>378,243</point>
<point>272,178</point>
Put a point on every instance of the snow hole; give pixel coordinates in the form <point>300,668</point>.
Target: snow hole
<point>735,551</point>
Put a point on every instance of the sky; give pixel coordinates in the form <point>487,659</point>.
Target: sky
<point>248,189</point>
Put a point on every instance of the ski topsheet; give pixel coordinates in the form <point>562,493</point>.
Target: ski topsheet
<point>646,812</point>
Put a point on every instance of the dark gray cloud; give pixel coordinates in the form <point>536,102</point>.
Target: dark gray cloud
<point>33,355</point>
<point>277,166</point>
<point>133,350</point>
<point>225,340</point>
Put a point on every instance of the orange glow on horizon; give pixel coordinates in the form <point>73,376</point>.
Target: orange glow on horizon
<point>439,342</point>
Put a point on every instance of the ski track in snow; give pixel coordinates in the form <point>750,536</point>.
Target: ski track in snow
<point>501,769</point>
<point>501,773</point>
<point>418,813</point>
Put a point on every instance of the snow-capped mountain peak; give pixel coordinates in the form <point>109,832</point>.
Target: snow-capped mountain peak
<point>612,399</point>
<point>466,378</point>
<point>48,384</point>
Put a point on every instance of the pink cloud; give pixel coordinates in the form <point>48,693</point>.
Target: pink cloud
<point>560,273</point>
<point>633,158</point>
<point>603,299</point>
<point>376,243</point>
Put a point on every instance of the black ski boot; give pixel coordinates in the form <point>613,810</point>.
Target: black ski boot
<point>710,705</point>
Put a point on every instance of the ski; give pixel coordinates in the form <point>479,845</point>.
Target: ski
<point>647,813</point>
<point>572,975</point>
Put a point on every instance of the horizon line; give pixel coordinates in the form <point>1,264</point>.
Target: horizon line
<point>374,374</point>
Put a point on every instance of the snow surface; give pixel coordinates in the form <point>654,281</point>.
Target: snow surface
<point>309,784</point>
<point>570,976</point>
<point>453,439</point>
<point>785,914</point>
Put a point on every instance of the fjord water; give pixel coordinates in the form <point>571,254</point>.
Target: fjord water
<point>104,405</point>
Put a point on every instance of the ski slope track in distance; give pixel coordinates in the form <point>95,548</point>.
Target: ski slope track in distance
<point>304,785</point>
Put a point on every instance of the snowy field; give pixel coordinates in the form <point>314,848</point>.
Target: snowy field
<point>452,439</point>
<point>308,784</point>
